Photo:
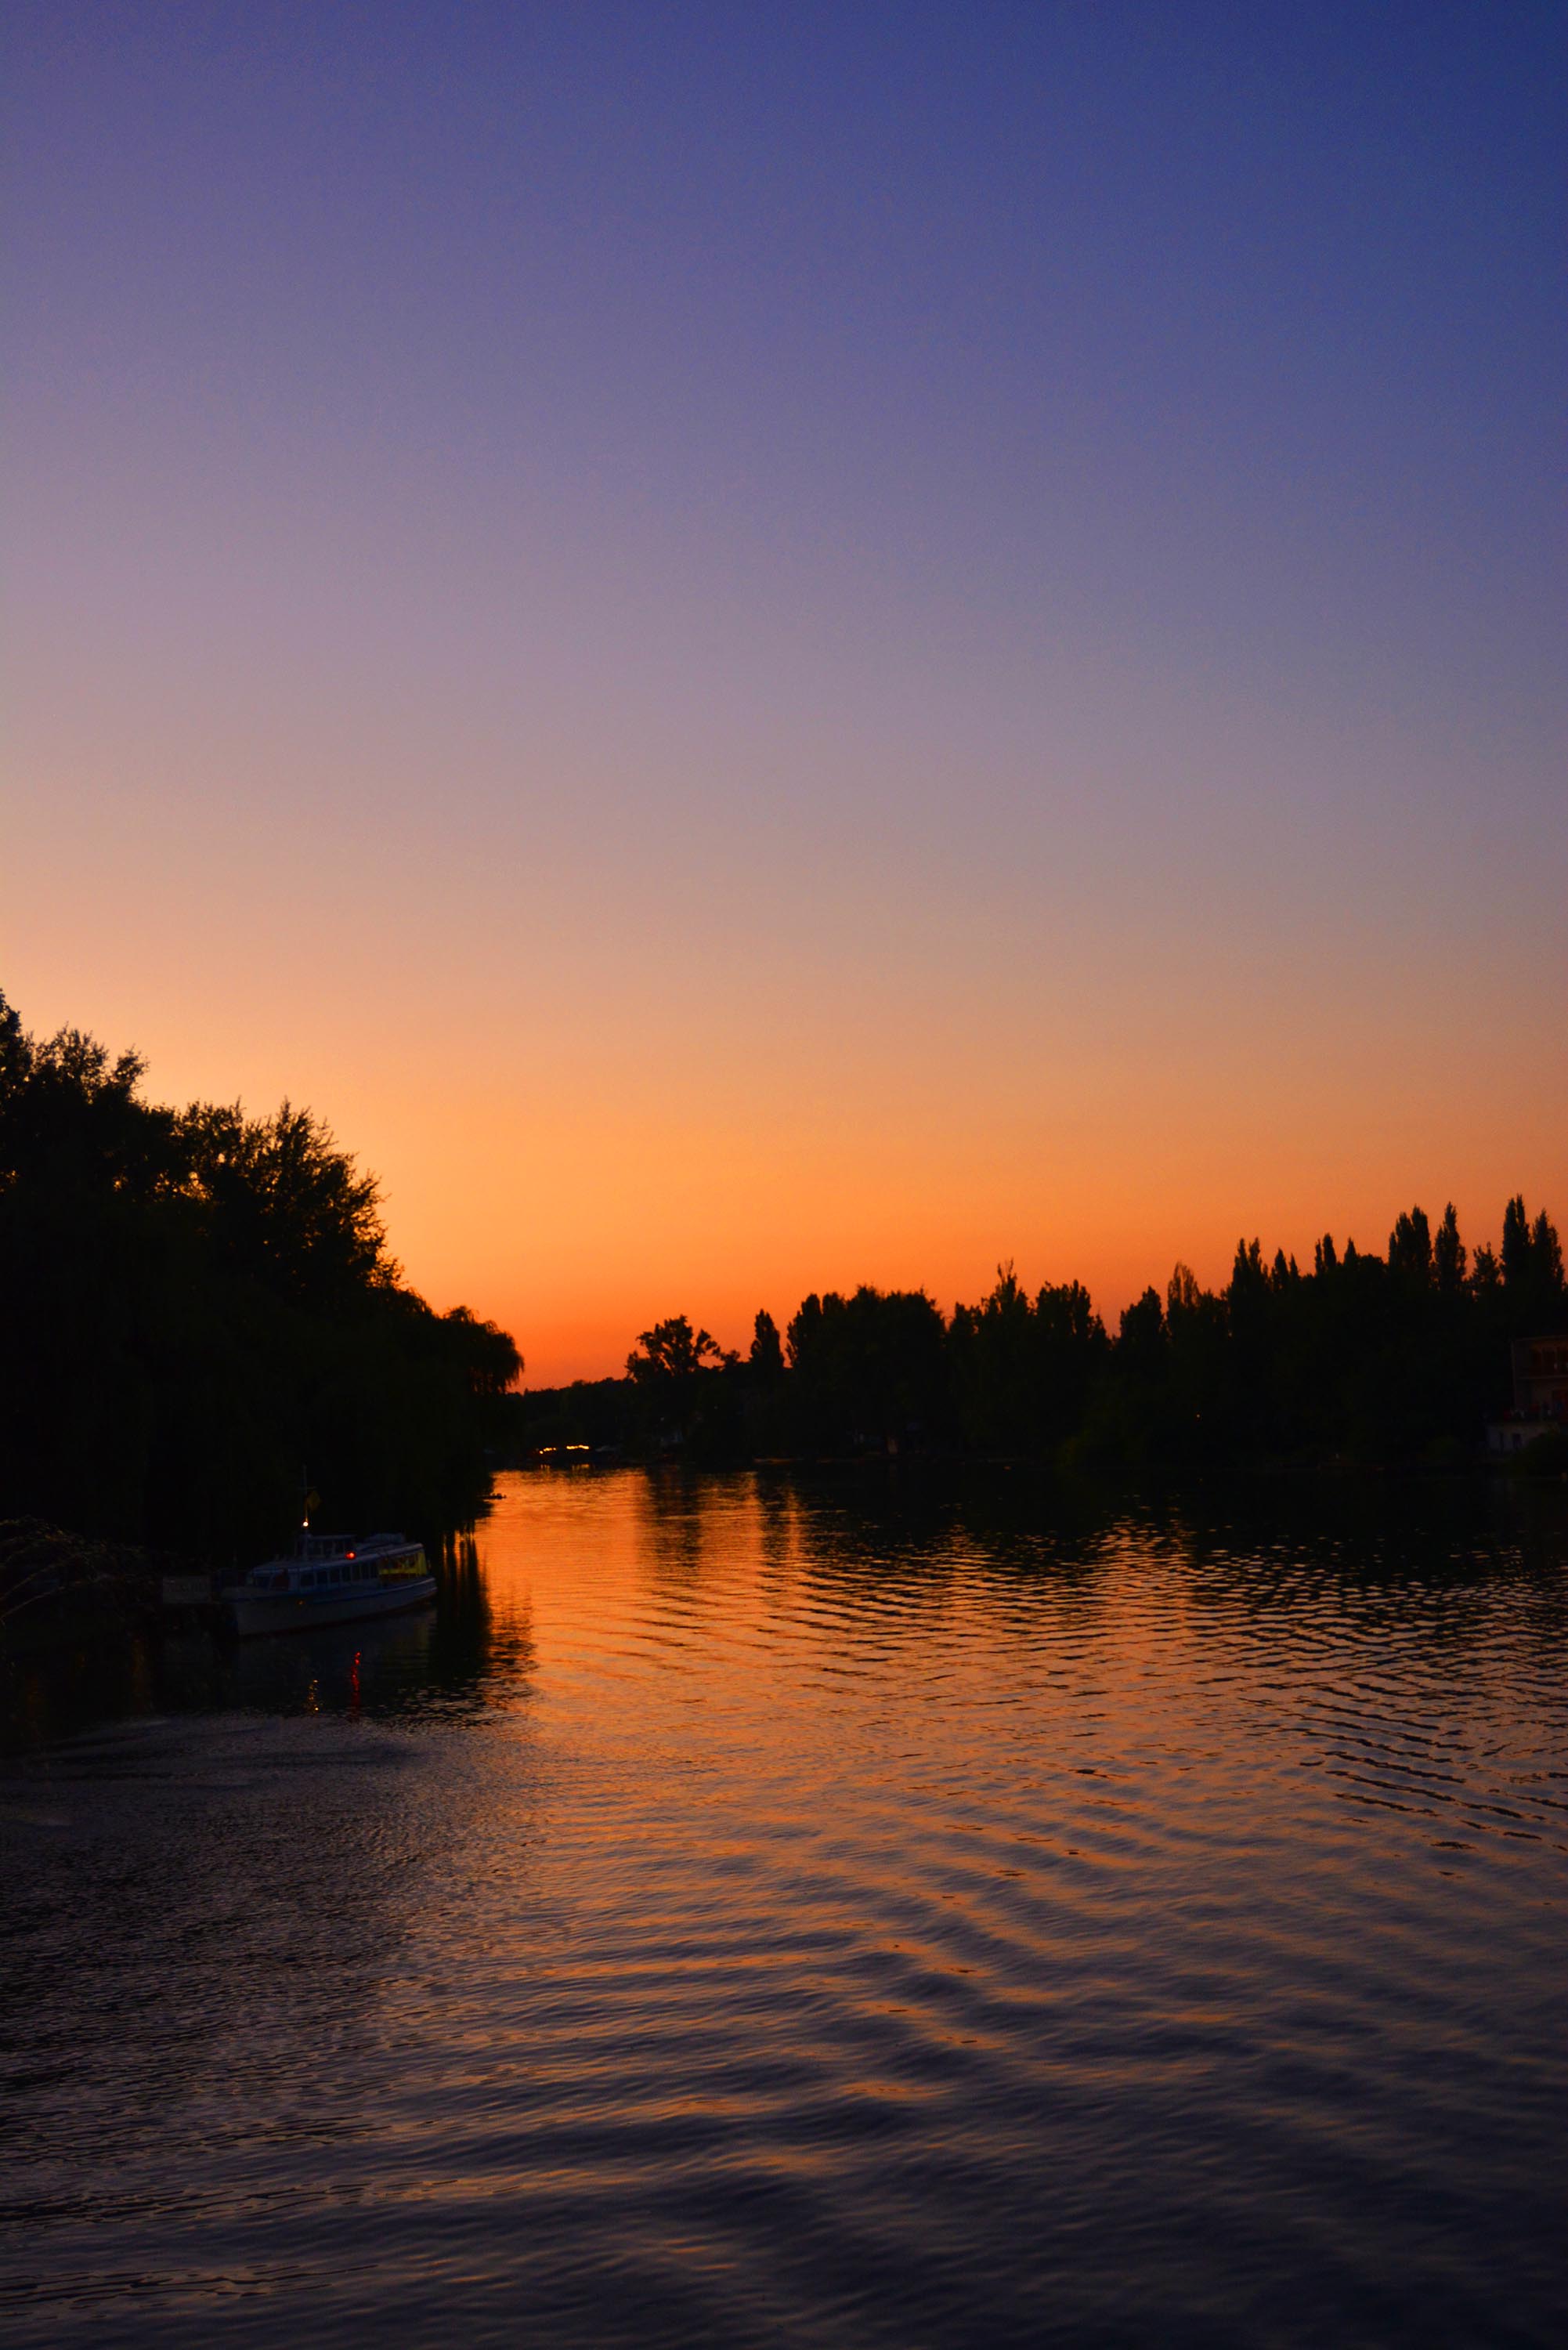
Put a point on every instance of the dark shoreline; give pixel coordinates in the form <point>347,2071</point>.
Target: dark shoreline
<point>110,1647</point>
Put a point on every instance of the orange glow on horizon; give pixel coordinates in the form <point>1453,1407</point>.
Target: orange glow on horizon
<point>733,736</point>
<point>576,1174</point>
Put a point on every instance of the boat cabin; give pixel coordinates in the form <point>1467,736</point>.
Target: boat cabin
<point>323,1563</point>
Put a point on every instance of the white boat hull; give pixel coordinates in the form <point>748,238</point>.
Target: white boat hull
<point>307,1611</point>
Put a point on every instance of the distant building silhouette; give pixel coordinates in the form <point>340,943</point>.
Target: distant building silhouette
<point>1540,1394</point>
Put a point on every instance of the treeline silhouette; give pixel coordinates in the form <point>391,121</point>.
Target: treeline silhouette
<point>198,1310</point>
<point>1363,1358</point>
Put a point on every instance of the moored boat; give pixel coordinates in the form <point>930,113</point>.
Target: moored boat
<point>331,1579</point>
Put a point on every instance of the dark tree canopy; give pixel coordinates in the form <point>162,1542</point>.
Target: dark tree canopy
<point>1365,1358</point>
<point>672,1353</point>
<point>766,1356</point>
<point>199,1307</point>
<point>200,1310</point>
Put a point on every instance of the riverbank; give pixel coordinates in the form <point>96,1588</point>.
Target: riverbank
<point>60,1590</point>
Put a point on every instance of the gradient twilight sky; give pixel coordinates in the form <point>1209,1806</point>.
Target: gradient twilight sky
<point>768,647</point>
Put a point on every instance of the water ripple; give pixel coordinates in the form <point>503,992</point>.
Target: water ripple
<point>760,1912</point>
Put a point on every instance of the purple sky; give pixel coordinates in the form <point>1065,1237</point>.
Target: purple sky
<point>770,647</point>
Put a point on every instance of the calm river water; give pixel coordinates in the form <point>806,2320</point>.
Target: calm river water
<point>756,1910</point>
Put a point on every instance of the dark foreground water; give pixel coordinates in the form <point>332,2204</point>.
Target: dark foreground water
<point>754,1911</point>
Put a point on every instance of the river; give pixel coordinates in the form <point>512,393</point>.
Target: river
<point>866,1908</point>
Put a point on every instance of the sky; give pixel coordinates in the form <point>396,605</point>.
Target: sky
<point>765,647</point>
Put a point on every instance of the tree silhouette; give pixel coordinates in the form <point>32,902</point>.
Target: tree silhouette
<point>672,1353</point>
<point>195,1303</point>
<point>1450,1254</point>
<point>766,1356</point>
